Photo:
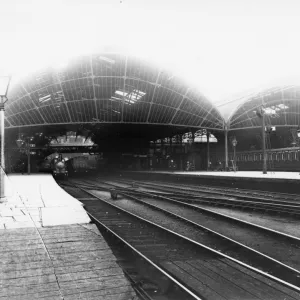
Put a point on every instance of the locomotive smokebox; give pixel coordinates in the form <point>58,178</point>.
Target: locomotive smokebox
<point>60,165</point>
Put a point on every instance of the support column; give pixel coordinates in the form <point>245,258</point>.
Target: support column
<point>28,158</point>
<point>193,151</point>
<point>2,169</point>
<point>226,149</point>
<point>207,153</point>
<point>181,155</point>
<point>2,137</point>
<point>263,133</point>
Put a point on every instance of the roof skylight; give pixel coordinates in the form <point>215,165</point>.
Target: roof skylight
<point>129,97</point>
<point>111,61</point>
<point>274,109</point>
<point>45,98</point>
<point>121,93</point>
<point>282,106</point>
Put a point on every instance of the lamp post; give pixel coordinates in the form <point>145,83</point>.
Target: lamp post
<point>4,85</point>
<point>226,149</point>
<point>298,135</point>
<point>234,143</point>
<point>260,112</point>
<point>207,153</point>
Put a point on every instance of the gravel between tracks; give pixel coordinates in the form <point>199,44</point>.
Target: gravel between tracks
<point>199,235</point>
<point>285,224</point>
<point>245,279</point>
<point>288,225</point>
<point>251,237</point>
<point>210,190</point>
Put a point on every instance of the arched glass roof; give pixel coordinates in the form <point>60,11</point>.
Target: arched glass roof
<point>108,88</point>
<point>281,105</point>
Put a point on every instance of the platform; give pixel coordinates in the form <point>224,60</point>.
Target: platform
<point>241,174</point>
<point>37,200</point>
<point>285,182</point>
<point>49,251</point>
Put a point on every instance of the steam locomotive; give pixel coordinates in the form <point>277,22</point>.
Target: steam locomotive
<point>58,167</point>
<point>62,167</point>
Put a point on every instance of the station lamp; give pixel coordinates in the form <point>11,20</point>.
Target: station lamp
<point>234,142</point>
<point>4,85</point>
<point>19,142</point>
<point>298,132</point>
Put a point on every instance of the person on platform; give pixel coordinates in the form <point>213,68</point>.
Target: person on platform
<point>188,165</point>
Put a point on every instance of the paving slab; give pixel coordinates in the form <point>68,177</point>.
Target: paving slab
<point>36,266</point>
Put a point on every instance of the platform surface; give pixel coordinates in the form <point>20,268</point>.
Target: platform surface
<point>62,262</point>
<point>244,174</point>
<point>49,251</point>
<point>35,201</point>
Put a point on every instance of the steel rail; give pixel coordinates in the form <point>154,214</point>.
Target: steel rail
<point>140,291</point>
<point>281,208</point>
<point>219,192</point>
<point>169,276</point>
<point>214,213</point>
<point>201,226</point>
<point>199,244</point>
<point>209,230</point>
<point>225,216</point>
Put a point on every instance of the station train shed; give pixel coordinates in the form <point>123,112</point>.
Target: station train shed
<point>129,105</point>
<point>160,230</point>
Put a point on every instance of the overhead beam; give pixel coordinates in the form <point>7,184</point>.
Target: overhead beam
<point>178,107</point>
<point>152,99</point>
<point>65,101</point>
<point>204,119</point>
<point>94,90</point>
<point>124,86</point>
<point>36,107</point>
<point>118,122</point>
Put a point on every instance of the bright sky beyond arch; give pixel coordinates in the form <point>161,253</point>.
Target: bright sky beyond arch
<point>221,47</point>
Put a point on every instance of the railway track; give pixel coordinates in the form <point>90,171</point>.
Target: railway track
<point>196,195</point>
<point>215,191</point>
<point>229,191</point>
<point>147,279</point>
<point>163,285</point>
<point>182,255</point>
<point>171,196</point>
<point>264,253</point>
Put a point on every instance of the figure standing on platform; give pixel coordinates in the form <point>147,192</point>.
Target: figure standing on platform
<point>188,166</point>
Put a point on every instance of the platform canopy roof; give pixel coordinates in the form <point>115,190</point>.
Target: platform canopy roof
<point>108,88</point>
